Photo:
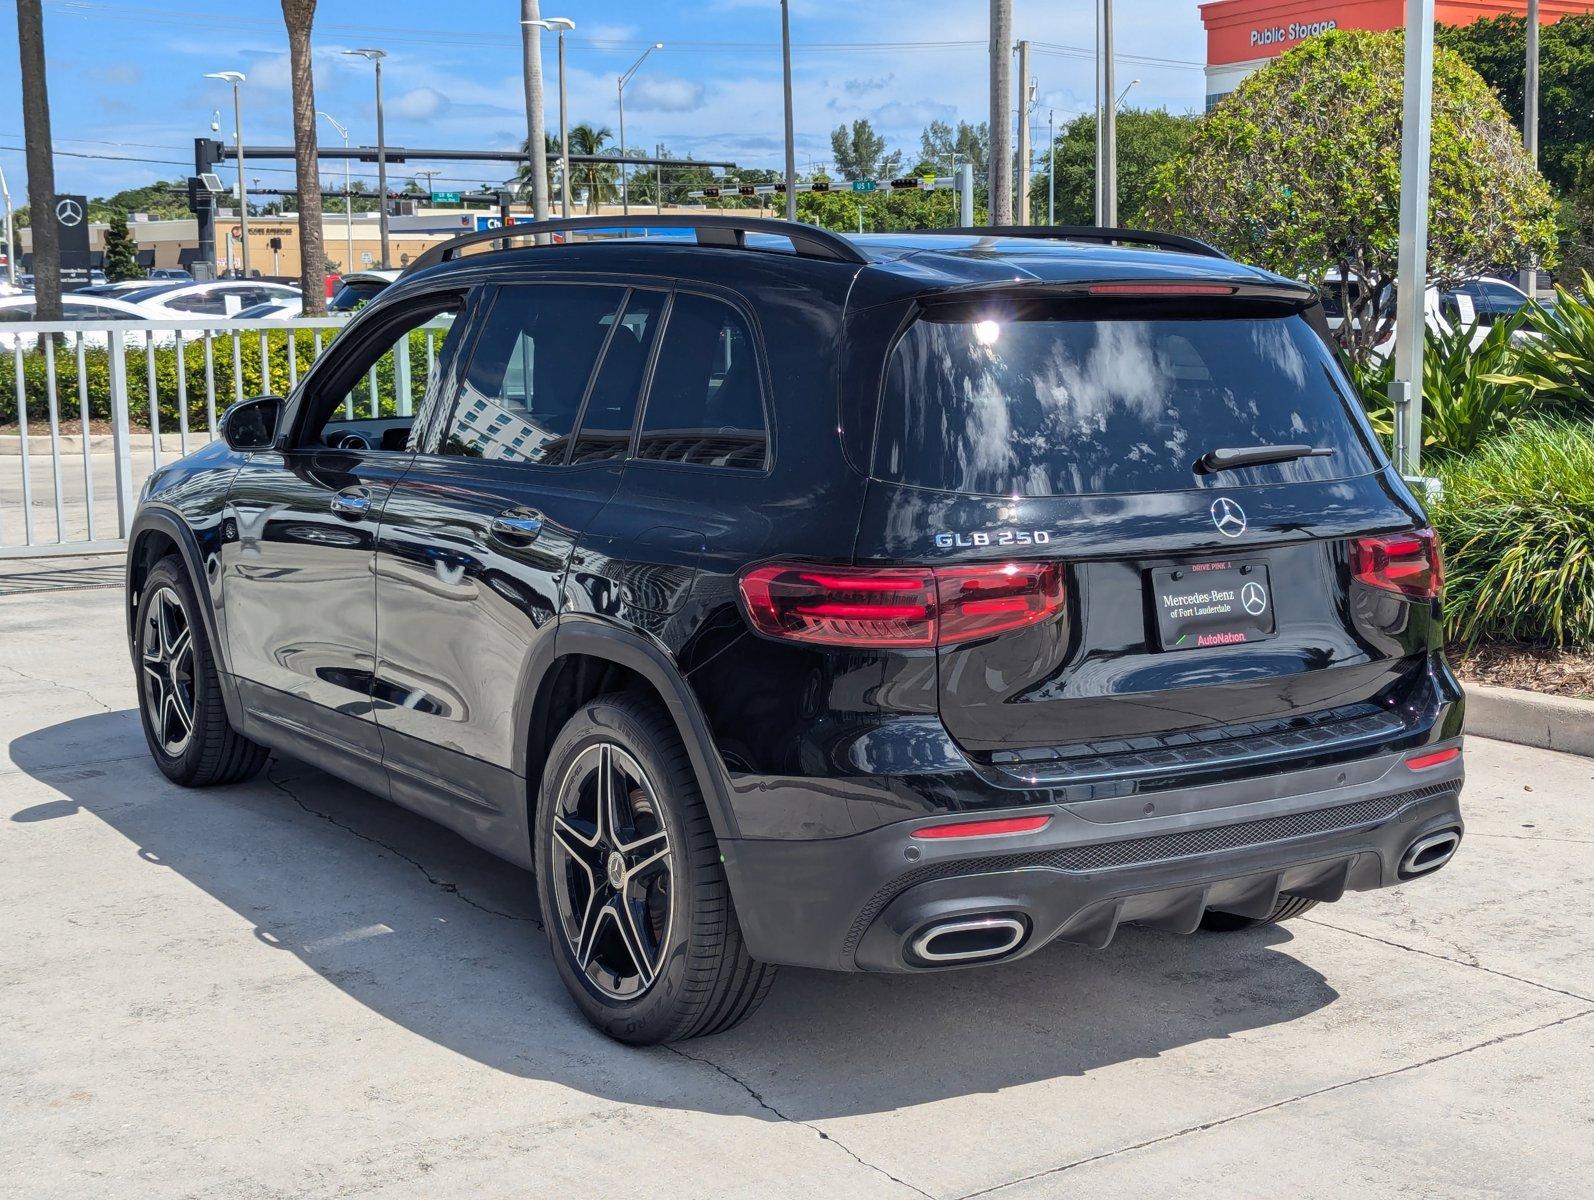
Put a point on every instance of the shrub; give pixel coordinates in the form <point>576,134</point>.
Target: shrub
<point>1468,393</point>
<point>1517,523</point>
<point>1559,364</point>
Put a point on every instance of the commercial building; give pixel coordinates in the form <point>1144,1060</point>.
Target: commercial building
<point>1243,35</point>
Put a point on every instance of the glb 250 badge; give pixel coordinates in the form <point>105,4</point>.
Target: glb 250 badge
<point>998,537</point>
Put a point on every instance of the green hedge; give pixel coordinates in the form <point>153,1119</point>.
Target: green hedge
<point>96,364</point>
<point>1516,520</point>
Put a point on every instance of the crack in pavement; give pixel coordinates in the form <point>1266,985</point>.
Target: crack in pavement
<point>442,884</point>
<point>1524,837</point>
<point>1251,1112</point>
<point>764,1104</point>
<point>56,683</point>
<point>1475,966</point>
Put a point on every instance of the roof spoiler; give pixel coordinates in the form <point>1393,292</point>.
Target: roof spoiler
<point>1105,234</point>
<point>713,229</point>
<point>1271,293</point>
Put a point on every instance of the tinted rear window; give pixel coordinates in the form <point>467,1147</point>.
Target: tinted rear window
<point>1079,407</point>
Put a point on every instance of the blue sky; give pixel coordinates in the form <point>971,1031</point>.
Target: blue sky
<point>126,79</point>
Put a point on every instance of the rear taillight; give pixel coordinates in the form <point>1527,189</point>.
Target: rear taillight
<point>1407,563</point>
<point>899,606</point>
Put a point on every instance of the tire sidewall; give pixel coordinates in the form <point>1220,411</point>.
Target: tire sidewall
<point>168,576</point>
<point>656,1015</point>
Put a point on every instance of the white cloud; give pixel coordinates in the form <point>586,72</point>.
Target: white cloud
<point>667,94</point>
<point>420,104</point>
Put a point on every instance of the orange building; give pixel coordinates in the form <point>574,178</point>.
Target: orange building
<point>1242,35</point>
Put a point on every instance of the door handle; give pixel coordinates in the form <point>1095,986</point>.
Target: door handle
<point>352,502</point>
<point>517,524</point>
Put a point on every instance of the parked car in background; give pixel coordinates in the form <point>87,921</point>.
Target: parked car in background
<point>121,289</point>
<point>892,603</point>
<point>74,307</point>
<point>1491,300</point>
<point>358,288</point>
<point>282,308</point>
<point>170,273</point>
<point>214,298</point>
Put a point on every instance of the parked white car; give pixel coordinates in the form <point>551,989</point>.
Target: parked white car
<point>213,298</point>
<point>283,308</point>
<point>89,309</point>
<point>1477,304</point>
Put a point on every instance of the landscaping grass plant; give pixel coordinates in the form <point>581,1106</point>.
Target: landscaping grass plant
<point>1516,520</point>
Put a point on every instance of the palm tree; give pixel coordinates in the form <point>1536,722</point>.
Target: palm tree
<point>531,47</point>
<point>599,179</point>
<point>298,15</point>
<point>41,164</point>
<point>523,182</point>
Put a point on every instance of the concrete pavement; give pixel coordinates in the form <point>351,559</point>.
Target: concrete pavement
<point>292,989</point>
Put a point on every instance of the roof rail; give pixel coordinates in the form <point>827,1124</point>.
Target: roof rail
<point>1091,233</point>
<point>712,229</point>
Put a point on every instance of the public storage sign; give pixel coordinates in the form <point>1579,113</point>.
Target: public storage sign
<point>1245,30</point>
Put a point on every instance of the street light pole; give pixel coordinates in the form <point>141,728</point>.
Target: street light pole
<point>348,200</point>
<point>562,25</point>
<point>1405,387</point>
<point>625,193</point>
<point>376,56</point>
<point>1051,166</point>
<point>791,146</point>
<point>1107,122</point>
<point>235,78</point>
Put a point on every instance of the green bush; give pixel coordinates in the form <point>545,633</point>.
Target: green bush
<point>1469,393</point>
<point>247,378</point>
<point>1559,364</point>
<point>1517,523</point>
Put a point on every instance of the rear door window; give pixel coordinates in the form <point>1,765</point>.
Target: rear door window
<point>529,371</point>
<point>1043,407</point>
<point>706,404</point>
<point>611,408</point>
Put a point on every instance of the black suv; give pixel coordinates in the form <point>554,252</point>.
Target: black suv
<point>883,603</point>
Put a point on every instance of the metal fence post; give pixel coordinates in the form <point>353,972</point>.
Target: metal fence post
<point>121,451</point>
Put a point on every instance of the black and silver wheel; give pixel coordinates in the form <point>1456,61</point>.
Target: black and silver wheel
<point>179,695</point>
<point>632,891</point>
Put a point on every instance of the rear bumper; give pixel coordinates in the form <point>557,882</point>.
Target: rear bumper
<point>859,903</point>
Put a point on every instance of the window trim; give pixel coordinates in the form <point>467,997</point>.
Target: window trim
<point>761,363</point>
<point>643,389</point>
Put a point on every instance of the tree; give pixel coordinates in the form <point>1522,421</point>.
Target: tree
<point>940,146</point>
<point>598,180</point>
<point>166,200</point>
<point>121,252</point>
<point>299,15</point>
<point>1147,138</point>
<point>860,152</point>
<point>1298,170</point>
<point>41,163</point>
<point>1495,49</point>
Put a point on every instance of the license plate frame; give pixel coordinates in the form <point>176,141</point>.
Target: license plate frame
<point>1214,603</point>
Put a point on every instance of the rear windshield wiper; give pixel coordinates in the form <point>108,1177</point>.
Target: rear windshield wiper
<point>1228,458</point>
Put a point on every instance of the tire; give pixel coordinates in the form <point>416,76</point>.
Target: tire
<point>179,702</point>
<point>696,976</point>
<point>1214,921</point>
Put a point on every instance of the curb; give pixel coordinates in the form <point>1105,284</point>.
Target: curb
<point>99,443</point>
<point>1531,718</point>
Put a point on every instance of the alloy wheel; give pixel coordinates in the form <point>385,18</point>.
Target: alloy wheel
<point>167,650</point>
<point>611,871</point>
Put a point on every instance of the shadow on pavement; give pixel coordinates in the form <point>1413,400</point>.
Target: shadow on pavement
<point>431,933</point>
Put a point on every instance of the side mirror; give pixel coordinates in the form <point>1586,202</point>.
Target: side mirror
<point>252,424</point>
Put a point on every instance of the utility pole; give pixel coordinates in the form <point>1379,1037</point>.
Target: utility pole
<point>536,141</point>
<point>1021,206</point>
<point>1530,121</point>
<point>1405,387</point>
<point>1051,166</point>
<point>1106,122</point>
<point>1000,180</point>
<point>791,147</point>
<point>41,164</point>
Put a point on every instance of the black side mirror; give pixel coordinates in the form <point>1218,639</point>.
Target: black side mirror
<point>252,424</point>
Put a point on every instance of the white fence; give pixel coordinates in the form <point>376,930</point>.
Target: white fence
<point>70,471</point>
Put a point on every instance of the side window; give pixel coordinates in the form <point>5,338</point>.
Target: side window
<point>529,371</point>
<point>372,401</point>
<point>705,404</point>
<point>611,408</point>
<point>209,304</point>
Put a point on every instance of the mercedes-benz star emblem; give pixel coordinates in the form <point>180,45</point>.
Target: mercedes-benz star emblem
<point>1254,598</point>
<point>1228,516</point>
<point>69,212</point>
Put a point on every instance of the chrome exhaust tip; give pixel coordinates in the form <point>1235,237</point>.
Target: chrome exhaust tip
<point>969,940</point>
<point>1429,853</point>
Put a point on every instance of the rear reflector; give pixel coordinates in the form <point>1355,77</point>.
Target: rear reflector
<point>899,606</point>
<point>965,829</point>
<point>1435,758</point>
<point>1161,289</point>
<point>1407,563</point>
